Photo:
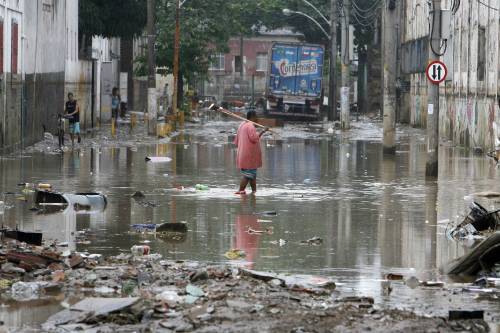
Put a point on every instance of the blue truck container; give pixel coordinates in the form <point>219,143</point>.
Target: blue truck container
<point>295,84</point>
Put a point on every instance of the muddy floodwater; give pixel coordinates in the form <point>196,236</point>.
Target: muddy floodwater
<point>375,215</point>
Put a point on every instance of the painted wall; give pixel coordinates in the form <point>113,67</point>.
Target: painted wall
<point>469,96</point>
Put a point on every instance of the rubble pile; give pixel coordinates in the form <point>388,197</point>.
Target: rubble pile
<point>144,293</point>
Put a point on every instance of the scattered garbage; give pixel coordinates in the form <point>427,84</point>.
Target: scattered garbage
<point>312,241</point>
<point>483,257</point>
<point>140,250</point>
<point>465,315</point>
<point>200,187</point>
<point>268,213</point>
<point>144,228</point>
<point>479,220</point>
<point>158,159</point>
<point>412,282</point>
<point>138,194</point>
<point>235,254</point>
<point>280,242</point>
<point>50,202</point>
<point>394,277</point>
<point>267,231</point>
<point>26,290</point>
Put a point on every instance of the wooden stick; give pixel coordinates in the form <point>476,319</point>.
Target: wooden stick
<point>229,113</point>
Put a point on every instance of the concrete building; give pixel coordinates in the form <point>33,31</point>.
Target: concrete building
<point>225,80</point>
<point>41,61</point>
<point>469,96</point>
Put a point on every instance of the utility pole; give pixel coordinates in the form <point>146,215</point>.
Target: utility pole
<point>389,68</point>
<point>332,95</point>
<point>177,39</point>
<point>152,102</point>
<point>345,90</point>
<point>431,167</point>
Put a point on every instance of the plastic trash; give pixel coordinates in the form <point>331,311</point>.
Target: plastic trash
<point>200,187</point>
<point>26,290</point>
<point>140,250</point>
<point>235,254</point>
<point>158,159</point>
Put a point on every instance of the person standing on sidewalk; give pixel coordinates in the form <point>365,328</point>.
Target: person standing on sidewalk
<point>72,112</point>
<point>115,104</point>
<point>249,155</point>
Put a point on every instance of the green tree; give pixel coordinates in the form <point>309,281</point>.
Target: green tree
<point>112,18</point>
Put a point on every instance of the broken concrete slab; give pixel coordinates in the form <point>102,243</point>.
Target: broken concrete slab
<point>94,306</point>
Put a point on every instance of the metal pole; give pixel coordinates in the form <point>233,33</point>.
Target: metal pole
<point>152,102</point>
<point>177,38</point>
<point>431,167</point>
<point>345,91</point>
<point>389,47</point>
<point>332,95</point>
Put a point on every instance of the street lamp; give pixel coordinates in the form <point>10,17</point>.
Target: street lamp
<point>289,12</point>
<point>315,9</point>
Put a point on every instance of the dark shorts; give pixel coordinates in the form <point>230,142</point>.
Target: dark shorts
<point>250,174</point>
<point>115,112</point>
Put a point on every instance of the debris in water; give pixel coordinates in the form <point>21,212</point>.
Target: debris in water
<point>158,159</point>
<point>394,277</point>
<point>312,241</point>
<point>483,257</point>
<point>465,315</point>
<point>268,213</point>
<point>140,250</point>
<point>478,220</point>
<point>267,231</point>
<point>200,187</point>
<point>280,242</point>
<point>235,254</point>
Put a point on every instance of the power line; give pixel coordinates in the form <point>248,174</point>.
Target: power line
<point>487,6</point>
<point>366,10</point>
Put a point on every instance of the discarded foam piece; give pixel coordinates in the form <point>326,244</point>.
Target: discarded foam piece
<point>94,306</point>
<point>158,159</point>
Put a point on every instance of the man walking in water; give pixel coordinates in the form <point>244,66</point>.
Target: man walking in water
<point>73,114</point>
<point>249,155</point>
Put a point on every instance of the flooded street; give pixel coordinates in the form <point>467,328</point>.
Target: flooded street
<point>375,215</point>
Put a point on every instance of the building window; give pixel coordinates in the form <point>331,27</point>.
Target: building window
<point>14,47</point>
<point>261,62</point>
<point>481,54</point>
<point>218,62</point>
<point>238,64</point>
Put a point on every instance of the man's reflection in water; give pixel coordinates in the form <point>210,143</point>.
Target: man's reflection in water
<point>243,240</point>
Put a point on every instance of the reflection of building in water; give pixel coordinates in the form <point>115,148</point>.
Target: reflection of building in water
<point>24,314</point>
<point>246,241</point>
<point>58,227</point>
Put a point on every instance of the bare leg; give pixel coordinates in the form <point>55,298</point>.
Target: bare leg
<point>243,184</point>
<point>253,183</point>
<point>72,139</point>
